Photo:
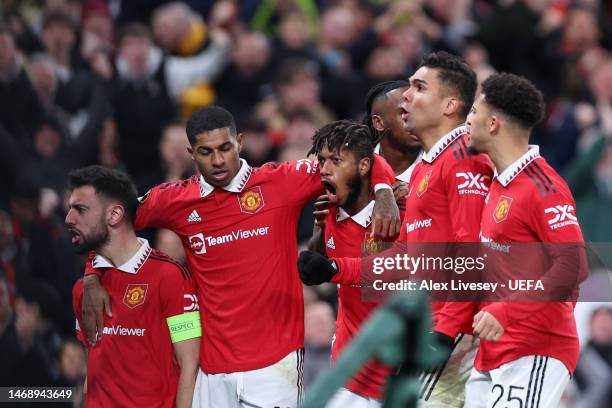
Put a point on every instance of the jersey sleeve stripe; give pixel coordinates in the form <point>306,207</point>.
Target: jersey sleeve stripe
<point>537,183</point>
<point>455,151</point>
<point>539,169</point>
<point>465,148</point>
<point>540,178</point>
<point>162,258</point>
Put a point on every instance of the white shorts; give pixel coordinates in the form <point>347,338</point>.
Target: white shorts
<point>344,398</point>
<point>278,385</point>
<point>444,386</point>
<point>529,382</point>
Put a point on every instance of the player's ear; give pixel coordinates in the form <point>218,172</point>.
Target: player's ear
<point>239,142</point>
<point>378,123</point>
<point>451,106</point>
<point>115,214</point>
<point>494,124</point>
<point>190,151</point>
<point>364,166</point>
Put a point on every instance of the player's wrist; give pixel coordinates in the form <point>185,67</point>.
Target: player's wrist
<point>381,187</point>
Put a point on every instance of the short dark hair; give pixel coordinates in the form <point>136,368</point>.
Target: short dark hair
<point>345,134</point>
<point>111,183</point>
<point>289,68</point>
<point>137,30</point>
<point>43,294</point>
<point>515,97</point>
<point>454,74</point>
<point>58,17</point>
<point>378,92</point>
<point>207,119</point>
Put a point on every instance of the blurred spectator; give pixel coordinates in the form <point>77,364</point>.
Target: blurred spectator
<point>73,89</point>
<point>43,248</point>
<point>578,46</point>
<point>35,312</point>
<point>385,64</point>
<point>593,374</point>
<point>318,332</point>
<point>60,142</point>
<point>257,147</point>
<point>294,37</point>
<point>97,32</point>
<point>338,31</point>
<point>296,89</point>
<point>73,369</point>
<point>10,351</point>
<point>178,30</point>
<point>18,119</point>
<point>270,12</point>
<point>176,162</point>
<point>590,174</point>
<point>243,84</point>
<point>12,258</point>
<point>72,362</point>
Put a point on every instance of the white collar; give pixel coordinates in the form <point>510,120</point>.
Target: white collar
<point>513,170</point>
<point>443,143</point>
<point>405,176</point>
<point>363,217</point>
<point>235,186</point>
<point>132,265</point>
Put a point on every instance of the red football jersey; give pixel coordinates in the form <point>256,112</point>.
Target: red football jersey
<point>134,364</point>
<point>241,248</point>
<point>530,202</point>
<point>349,236</point>
<point>444,204</point>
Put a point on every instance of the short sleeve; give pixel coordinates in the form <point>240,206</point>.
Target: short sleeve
<point>180,304</point>
<point>153,208</point>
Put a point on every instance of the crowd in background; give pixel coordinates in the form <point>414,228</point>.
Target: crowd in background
<point>112,82</point>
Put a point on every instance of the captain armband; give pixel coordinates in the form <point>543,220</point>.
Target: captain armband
<point>184,326</point>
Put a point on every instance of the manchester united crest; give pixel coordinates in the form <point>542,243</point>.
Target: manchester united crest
<point>422,187</point>
<point>251,200</point>
<point>502,208</point>
<point>371,246</point>
<point>135,295</point>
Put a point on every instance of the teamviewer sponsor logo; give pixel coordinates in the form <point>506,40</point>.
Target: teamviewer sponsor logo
<point>196,243</point>
<point>118,330</point>
<point>418,224</point>
<point>471,183</point>
<point>562,215</point>
<point>236,236</point>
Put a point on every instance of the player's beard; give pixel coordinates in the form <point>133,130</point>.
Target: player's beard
<point>355,185</point>
<point>92,242</point>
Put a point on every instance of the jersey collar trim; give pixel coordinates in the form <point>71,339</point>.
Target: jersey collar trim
<point>363,217</point>
<point>443,143</point>
<point>235,186</point>
<point>533,152</point>
<point>132,265</point>
<point>405,176</point>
